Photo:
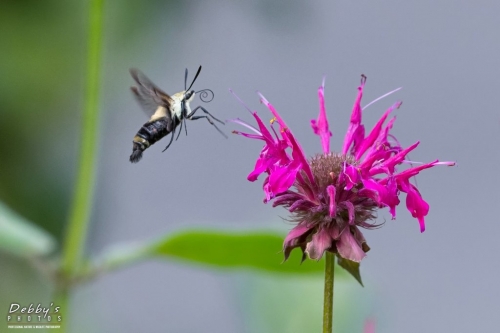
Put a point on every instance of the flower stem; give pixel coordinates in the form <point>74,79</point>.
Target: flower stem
<point>76,233</point>
<point>328,298</point>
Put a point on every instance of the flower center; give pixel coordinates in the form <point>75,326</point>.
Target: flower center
<point>350,206</point>
<point>327,168</point>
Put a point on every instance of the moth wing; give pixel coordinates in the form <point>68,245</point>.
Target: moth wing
<point>148,94</point>
<point>146,102</point>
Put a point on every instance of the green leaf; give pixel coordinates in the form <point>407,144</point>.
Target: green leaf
<point>231,250</point>
<point>260,251</point>
<point>352,267</point>
<point>21,237</point>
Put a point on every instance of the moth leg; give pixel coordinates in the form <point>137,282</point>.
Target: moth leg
<point>189,116</point>
<point>180,131</point>
<point>210,121</point>
<point>171,139</point>
<point>184,113</point>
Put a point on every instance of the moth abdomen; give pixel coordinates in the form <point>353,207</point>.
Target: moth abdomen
<point>153,131</point>
<point>136,154</point>
<point>148,134</point>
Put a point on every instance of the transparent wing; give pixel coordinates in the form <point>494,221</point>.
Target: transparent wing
<point>148,94</point>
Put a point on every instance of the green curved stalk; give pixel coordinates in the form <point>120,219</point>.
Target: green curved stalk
<point>76,234</point>
<point>328,298</point>
<point>82,201</point>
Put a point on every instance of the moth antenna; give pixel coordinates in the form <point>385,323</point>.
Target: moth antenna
<point>185,79</point>
<point>195,77</point>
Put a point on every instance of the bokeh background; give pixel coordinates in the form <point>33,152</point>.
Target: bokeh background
<point>445,56</point>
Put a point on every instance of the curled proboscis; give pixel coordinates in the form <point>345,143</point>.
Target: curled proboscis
<point>205,94</point>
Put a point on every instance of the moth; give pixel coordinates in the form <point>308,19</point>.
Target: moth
<point>169,112</point>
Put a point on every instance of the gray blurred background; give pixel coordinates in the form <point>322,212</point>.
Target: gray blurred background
<point>445,56</point>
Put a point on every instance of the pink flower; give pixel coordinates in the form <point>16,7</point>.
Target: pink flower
<point>330,196</point>
<point>369,326</point>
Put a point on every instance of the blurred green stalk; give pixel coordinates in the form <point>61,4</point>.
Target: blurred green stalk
<point>328,298</point>
<point>82,201</point>
<point>76,234</point>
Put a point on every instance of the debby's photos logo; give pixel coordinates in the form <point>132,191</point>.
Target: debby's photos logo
<point>34,316</point>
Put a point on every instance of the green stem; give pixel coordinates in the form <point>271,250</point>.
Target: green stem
<point>328,298</point>
<point>61,300</point>
<point>76,233</point>
<point>82,201</point>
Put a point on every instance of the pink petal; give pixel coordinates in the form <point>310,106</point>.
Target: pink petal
<point>375,132</point>
<point>334,231</point>
<point>287,198</point>
<point>320,126</point>
<point>358,235</point>
<point>368,162</point>
<point>293,239</point>
<point>282,178</point>
<point>349,248</point>
<point>261,165</point>
<point>350,176</point>
<point>376,188</point>
<point>369,326</point>
<point>333,206</point>
<point>391,197</point>
<point>408,173</point>
<point>298,155</point>
<point>245,124</point>
<point>357,137</point>
<point>355,132</point>
<point>321,241</point>
<point>267,190</point>
<point>297,152</point>
<point>350,209</point>
<point>300,204</point>
<point>389,165</point>
<point>386,194</point>
<point>381,148</point>
<point>275,113</point>
<point>262,127</point>
<point>271,156</point>
<point>415,204</point>
<point>367,193</point>
<point>295,233</point>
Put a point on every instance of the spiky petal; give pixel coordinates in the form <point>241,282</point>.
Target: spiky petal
<point>320,126</point>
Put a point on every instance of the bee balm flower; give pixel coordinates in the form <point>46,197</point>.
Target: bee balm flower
<point>332,195</point>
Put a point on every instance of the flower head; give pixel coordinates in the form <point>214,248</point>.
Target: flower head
<point>332,195</point>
